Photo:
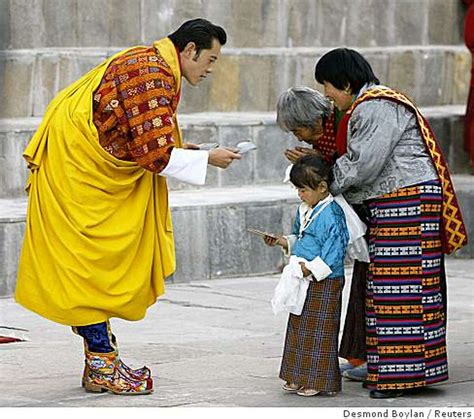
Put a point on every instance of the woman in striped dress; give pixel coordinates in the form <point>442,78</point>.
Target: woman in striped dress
<point>394,165</point>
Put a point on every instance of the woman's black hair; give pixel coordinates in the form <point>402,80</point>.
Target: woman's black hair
<point>200,31</point>
<point>310,171</point>
<point>343,67</point>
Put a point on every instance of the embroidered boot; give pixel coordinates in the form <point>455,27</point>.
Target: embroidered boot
<point>101,336</point>
<point>139,374</point>
<point>142,373</point>
<point>103,374</point>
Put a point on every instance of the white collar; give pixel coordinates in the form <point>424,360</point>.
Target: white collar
<point>304,207</point>
<point>329,198</point>
<point>308,214</point>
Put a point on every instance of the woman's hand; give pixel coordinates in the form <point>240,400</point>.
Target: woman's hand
<point>294,154</point>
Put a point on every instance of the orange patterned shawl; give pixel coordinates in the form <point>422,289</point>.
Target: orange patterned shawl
<point>454,233</point>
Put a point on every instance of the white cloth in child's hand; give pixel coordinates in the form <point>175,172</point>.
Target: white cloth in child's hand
<point>290,292</point>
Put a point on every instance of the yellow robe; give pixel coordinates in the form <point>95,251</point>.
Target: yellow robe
<point>98,241</point>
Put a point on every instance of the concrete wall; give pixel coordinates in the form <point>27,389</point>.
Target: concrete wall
<point>27,24</point>
<point>414,45</point>
<point>262,166</point>
<point>244,80</point>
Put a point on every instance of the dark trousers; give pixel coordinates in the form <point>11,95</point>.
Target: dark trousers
<point>97,336</point>
<point>353,336</point>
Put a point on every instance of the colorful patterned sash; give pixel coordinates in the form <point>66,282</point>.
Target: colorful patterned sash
<point>454,233</point>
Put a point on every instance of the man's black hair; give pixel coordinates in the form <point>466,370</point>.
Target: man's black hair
<point>343,67</point>
<point>200,31</point>
<point>309,171</point>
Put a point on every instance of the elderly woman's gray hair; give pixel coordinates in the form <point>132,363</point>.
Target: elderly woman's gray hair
<point>301,107</point>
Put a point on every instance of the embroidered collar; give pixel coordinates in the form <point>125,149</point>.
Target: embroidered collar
<point>170,54</point>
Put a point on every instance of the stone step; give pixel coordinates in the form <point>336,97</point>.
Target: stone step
<point>263,166</point>
<point>249,23</point>
<point>211,230</point>
<point>245,79</point>
<point>12,228</point>
<point>215,222</point>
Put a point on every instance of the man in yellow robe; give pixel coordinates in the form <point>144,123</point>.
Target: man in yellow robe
<point>99,240</point>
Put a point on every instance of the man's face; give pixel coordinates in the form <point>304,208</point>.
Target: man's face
<point>196,67</point>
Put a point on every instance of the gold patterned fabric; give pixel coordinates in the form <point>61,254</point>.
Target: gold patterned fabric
<point>454,232</point>
<point>134,108</point>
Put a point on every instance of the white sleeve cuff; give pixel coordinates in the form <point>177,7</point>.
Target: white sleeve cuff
<point>291,239</point>
<point>187,166</point>
<point>319,269</point>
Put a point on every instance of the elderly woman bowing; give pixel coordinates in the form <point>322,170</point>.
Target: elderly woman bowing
<point>310,117</point>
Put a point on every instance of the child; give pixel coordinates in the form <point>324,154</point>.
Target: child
<point>310,360</point>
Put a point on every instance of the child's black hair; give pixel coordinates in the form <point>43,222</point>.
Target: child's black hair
<point>309,171</point>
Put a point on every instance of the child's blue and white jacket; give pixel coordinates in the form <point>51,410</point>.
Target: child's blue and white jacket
<point>323,238</point>
<point>320,236</point>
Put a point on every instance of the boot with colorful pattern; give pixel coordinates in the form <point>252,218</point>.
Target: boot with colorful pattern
<point>102,333</point>
<point>103,374</point>
<point>142,373</point>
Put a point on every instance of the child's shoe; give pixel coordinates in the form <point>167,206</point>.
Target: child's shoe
<point>291,387</point>
<point>307,392</point>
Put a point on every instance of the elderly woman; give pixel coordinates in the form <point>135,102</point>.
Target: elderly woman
<point>394,165</point>
<point>311,118</point>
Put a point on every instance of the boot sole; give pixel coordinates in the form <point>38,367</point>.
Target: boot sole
<point>90,388</point>
<point>133,378</point>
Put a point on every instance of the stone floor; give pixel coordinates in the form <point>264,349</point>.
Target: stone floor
<point>211,344</point>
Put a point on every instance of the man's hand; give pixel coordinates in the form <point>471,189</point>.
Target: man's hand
<point>222,157</point>
<point>190,146</point>
<point>294,154</point>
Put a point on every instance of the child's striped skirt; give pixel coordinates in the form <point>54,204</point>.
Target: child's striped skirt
<point>310,356</point>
